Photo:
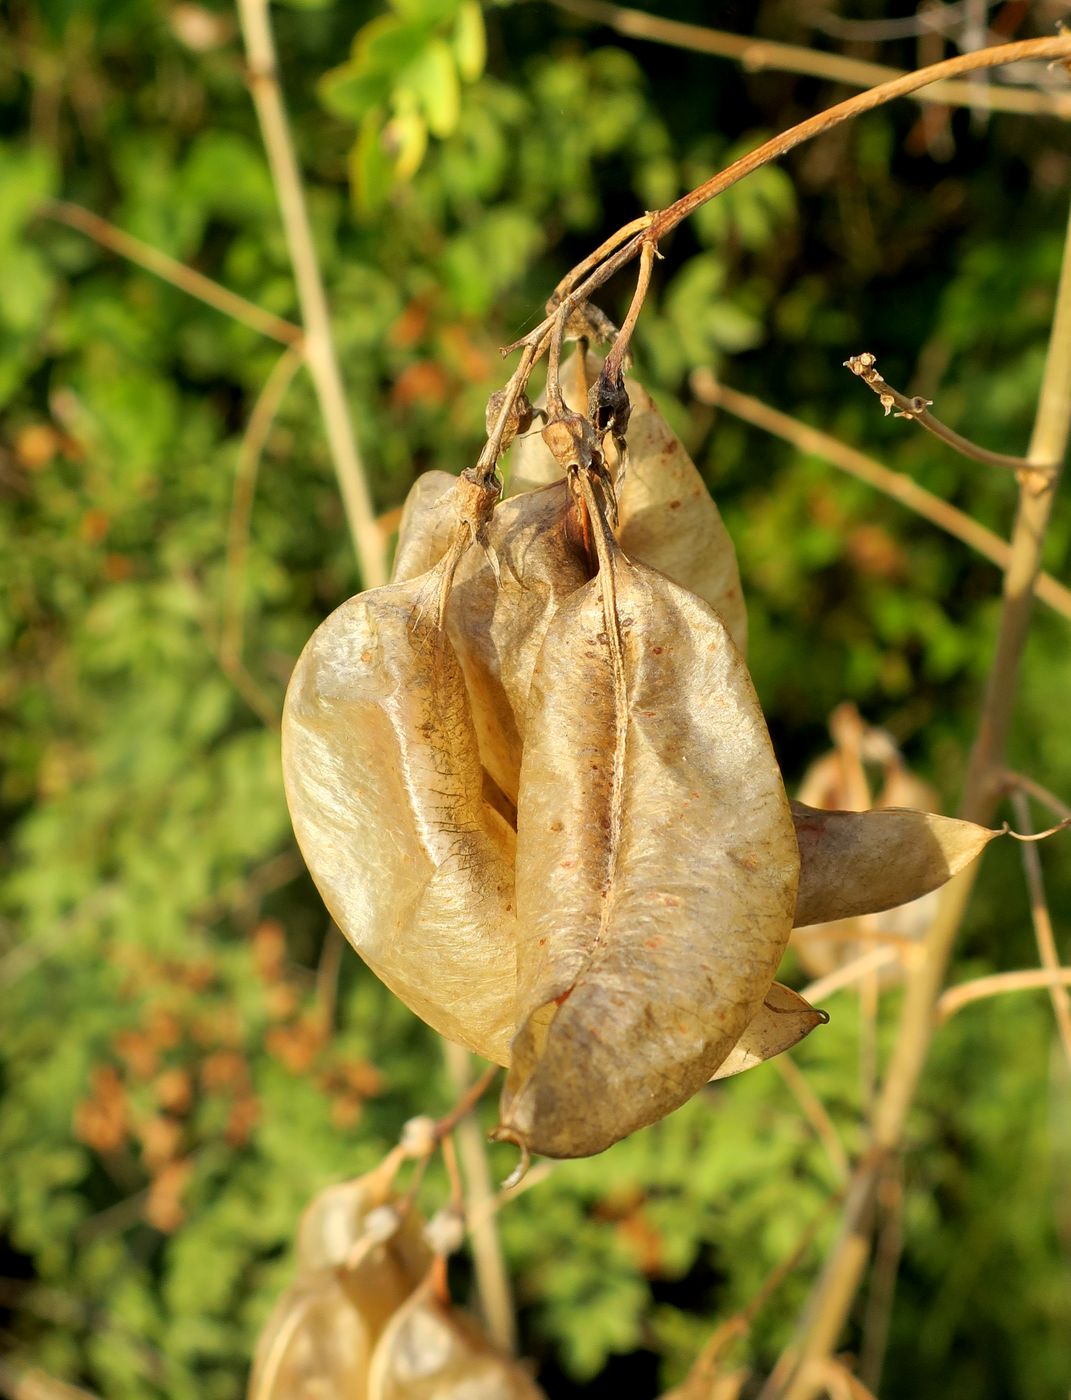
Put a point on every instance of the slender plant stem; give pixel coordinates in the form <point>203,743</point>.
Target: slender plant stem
<point>492,1277</point>
<point>319,343</point>
<point>619,350</point>
<point>246,469</point>
<point>917,410</point>
<point>31,1383</point>
<point>655,228</point>
<point>847,976</point>
<point>1042,920</point>
<point>882,1292</point>
<point>169,269</point>
<point>1033,789</point>
<point>835,1290</point>
<point>814,1110</point>
<point>895,485</point>
<point>999,984</point>
<point>756,55</point>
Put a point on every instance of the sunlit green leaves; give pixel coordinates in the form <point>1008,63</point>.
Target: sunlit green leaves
<point>401,85</point>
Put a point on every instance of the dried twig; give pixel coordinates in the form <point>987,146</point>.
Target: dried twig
<point>814,1110</point>
<point>895,485</point>
<point>917,410</point>
<point>835,1290</point>
<point>879,1303</point>
<point>999,984</point>
<point>536,343</point>
<point>928,19</point>
<point>756,55</point>
<point>246,469</point>
<point>1056,805</point>
<point>169,269</point>
<point>852,972</point>
<point>319,343</point>
<point>704,1371</point>
<point>492,1277</point>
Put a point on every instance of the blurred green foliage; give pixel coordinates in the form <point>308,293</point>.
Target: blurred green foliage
<point>180,1069</point>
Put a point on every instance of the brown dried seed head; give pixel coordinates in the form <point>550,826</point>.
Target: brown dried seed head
<point>572,440</point>
<point>385,787</point>
<point>431,1349</point>
<point>609,406</point>
<point>656,864</point>
<point>518,421</point>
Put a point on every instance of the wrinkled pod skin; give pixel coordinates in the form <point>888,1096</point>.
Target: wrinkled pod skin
<point>656,864</point>
<point>385,788</point>
<point>666,516</point>
<point>497,624</point>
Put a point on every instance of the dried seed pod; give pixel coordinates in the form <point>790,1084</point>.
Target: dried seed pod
<point>385,788</point>
<point>519,420</point>
<point>783,1019</point>
<point>427,527</point>
<point>656,863</point>
<point>855,863</point>
<point>498,624</point>
<point>669,521</point>
<point>838,781</point>
<point>319,1339</point>
<point>431,1351</point>
<point>666,517</point>
<point>501,602</point>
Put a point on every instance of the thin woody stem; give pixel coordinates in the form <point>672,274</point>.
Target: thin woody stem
<point>1042,920</point>
<point>245,484</point>
<point>1033,789</point>
<point>896,485</point>
<point>765,55</point>
<point>620,346</point>
<point>492,1276</point>
<point>168,269</point>
<point>835,1291</point>
<point>555,402</point>
<point>656,226</point>
<point>982,988</point>
<point>917,410</point>
<point>320,354</point>
<point>592,260</point>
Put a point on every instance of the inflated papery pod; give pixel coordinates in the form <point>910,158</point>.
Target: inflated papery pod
<point>656,862</point>
<point>432,1351</point>
<point>386,792</point>
<point>666,517</point>
<point>318,1341</point>
<point>840,780</point>
<point>502,600</point>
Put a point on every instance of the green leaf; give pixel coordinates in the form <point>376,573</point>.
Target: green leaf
<point>470,41</point>
<point>348,92</point>
<point>28,175</point>
<point>406,136</point>
<point>387,44</point>
<point>371,170</point>
<point>432,80</point>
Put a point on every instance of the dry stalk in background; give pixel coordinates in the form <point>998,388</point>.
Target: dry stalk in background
<point>834,1293</point>
<point>319,345</point>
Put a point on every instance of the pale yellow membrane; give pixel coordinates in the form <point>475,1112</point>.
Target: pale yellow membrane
<point>656,864</point>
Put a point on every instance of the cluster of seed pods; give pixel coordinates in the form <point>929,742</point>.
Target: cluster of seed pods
<point>366,1318</point>
<point>533,783</point>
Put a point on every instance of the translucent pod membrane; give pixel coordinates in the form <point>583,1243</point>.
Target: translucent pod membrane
<point>656,864</point>
<point>319,1341</point>
<point>666,517</point>
<point>854,863</point>
<point>385,787</point>
<point>431,1351</point>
